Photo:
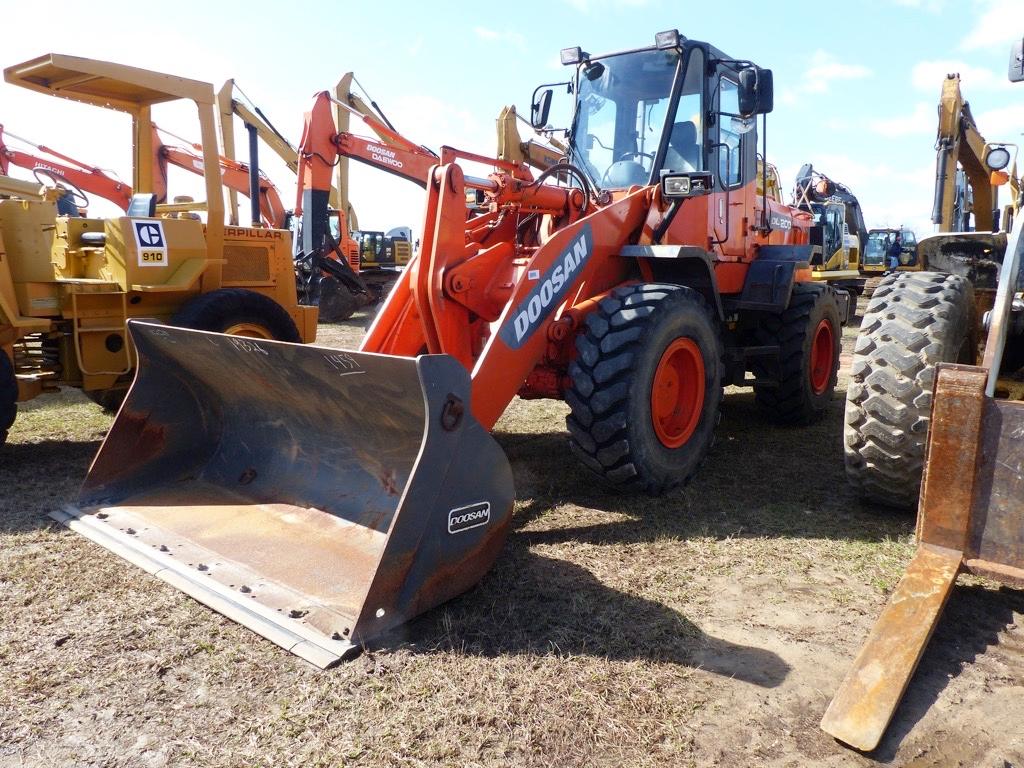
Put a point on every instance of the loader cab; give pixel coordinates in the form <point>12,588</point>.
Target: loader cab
<point>681,106</point>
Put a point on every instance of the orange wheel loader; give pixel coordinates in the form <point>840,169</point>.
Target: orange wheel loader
<point>322,496</point>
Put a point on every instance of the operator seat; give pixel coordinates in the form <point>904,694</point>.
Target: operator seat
<point>683,151</point>
<point>142,205</point>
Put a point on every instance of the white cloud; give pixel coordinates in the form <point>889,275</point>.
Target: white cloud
<point>932,6</point>
<point>825,68</point>
<point>822,70</point>
<point>928,76</point>
<point>586,6</point>
<point>1002,123</point>
<point>1000,23</point>
<point>921,121</point>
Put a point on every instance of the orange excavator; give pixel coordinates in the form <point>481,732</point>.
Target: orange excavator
<point>329,259</point>
<point>73,175</point>
<point>322,496</point>
<point>365,264</point>
<point>235,176</point>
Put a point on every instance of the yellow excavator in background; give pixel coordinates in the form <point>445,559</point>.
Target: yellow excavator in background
<point>967,179</point>
<point>875,259</point>
<point>839,234</point>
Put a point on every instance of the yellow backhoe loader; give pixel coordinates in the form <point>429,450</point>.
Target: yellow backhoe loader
<point>68,285</point>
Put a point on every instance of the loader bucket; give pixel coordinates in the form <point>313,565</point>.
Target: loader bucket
<point>317,496</point>
<point>971,517</point>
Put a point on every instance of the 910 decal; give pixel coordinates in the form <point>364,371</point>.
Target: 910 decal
<point>151,243</point>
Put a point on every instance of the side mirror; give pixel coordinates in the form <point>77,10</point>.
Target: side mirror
<point>540,109</point>
<point>755,92</point>
<point>1017,62</point>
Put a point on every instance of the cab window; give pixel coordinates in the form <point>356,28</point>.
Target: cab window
<point>730,134</point>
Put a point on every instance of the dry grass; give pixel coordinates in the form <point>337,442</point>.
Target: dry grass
<point>707,627</point>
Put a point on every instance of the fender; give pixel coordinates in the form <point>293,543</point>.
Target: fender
<point>686,265</point>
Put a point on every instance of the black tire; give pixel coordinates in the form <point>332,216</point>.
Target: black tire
<point>805,386</point>
<point>8,396</point>
<point>227,308</point>
<point>914,320</point>
<point>611,427</point>
<point>337,302</point>
<point>108,399</point>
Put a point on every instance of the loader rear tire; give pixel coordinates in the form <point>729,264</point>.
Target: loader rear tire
<point>914,321</point>
<point>809,337</point>
<point>238,312</point>
<point>8,396</point>
<point>646,387</point>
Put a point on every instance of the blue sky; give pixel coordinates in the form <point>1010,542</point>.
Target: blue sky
<point>856,84</point>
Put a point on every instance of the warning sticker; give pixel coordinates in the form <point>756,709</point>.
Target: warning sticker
<point>149,236</point>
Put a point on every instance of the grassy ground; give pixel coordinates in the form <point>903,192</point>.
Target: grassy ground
<point>710,626</point>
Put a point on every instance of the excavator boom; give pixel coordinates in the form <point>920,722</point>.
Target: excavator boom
<point>82,176</point>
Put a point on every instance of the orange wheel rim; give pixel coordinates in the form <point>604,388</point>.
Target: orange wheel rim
<point>822,348</point>
<point>252,330</point>
<point>677,394</point>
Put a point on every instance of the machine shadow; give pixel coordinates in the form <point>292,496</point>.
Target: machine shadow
<point>969,626</point>
<point>530,604</point>
<point>760,479</point>
<point>61,466</point>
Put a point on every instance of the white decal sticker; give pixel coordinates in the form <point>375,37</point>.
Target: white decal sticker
<point>152,245</point>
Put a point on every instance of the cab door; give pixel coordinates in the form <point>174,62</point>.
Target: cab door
<point>732,144</point>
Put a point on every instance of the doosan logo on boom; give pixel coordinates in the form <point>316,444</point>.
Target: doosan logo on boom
<point>549,292</point>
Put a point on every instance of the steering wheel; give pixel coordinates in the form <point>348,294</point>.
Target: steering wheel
<point>628,154</point>
<point>618,164</point>
<point>49,179</point>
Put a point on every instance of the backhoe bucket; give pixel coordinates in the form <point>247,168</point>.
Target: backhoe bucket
<point>317,496</point>
<point>971,517</point>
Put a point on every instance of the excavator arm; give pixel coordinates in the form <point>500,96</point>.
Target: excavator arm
<point>959,142</point>
<point>234,175</point>
<point>513,148</point>
<point>73,172</point>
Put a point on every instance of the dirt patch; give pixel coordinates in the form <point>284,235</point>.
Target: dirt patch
<point>708,627</point>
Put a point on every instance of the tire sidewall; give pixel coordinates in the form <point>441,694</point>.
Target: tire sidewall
<point>651,452</point>
<point>219,310</point>
<point>962,325</point>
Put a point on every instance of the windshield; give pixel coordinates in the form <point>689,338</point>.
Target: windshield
<point>621,115</point>
<point>877,249</point>
<point>878,245</point>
